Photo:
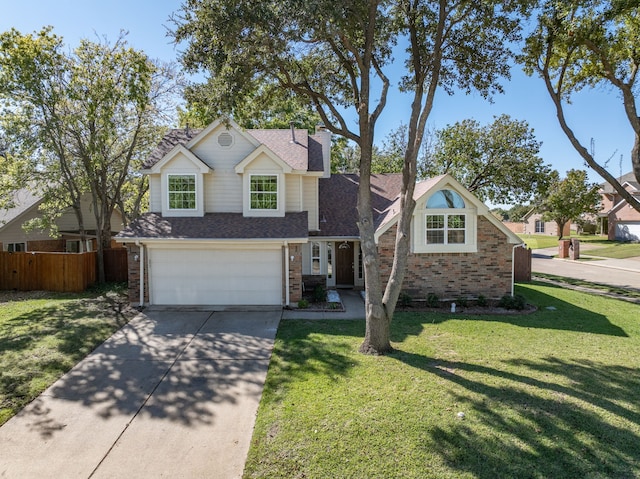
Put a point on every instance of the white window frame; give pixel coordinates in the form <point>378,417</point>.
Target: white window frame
<point>277,192</point>
<point>445,227</point>
<point>314,257</point>
<point>195,191</point>
<point>538,226</point>
<point>11,247</point>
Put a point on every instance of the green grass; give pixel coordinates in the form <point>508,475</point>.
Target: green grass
<point>616,250</point>
<point>41,339</point>
<point>549,394</point>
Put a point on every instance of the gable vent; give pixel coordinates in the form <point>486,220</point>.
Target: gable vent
<point>225,139</point>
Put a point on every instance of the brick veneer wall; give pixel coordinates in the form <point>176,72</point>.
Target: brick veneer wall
<point>295,273</point>
<point>134,275</point>
<point>455,275</point>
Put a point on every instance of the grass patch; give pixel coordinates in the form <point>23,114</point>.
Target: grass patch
<point>44,335</point>
<point>548,394</point>
<point>623,293</point>
<point>616,250</point>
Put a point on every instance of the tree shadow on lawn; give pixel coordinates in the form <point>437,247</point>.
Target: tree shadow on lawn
<point>519,425</point>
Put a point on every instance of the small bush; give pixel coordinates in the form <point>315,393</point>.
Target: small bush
<point>517,302</point>
<point>319,294</point>
<point>303,304</point>
<point>433,301</point>
<point>405,300</point>
<point>462,302</point>
<point>482,301</point>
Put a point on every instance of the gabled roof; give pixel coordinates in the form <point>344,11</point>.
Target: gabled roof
<point>23,200</point>
<point>216,226</point>
<point>626,179</point>
<point>180,149</point>
<point>303,154</point>
<point>262,149</point>
<point>339,197</point>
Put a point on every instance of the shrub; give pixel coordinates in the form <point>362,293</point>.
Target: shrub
<point>319,294</point>
<point>462,302</point>
<point>517,302</point>
<point>482,301</point>
<point>303,304</point>
<point>405,300</point>
<point>433,301</point>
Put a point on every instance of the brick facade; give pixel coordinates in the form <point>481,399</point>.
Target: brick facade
<point>134,274</point>
<point>455,275</point>
<point>295,273</point>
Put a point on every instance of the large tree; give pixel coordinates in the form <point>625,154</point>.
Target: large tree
<point>80,120</point>
<point>335,55</point>
<point>569,199</point>
<point>580,44</point>
<point>498,162</point>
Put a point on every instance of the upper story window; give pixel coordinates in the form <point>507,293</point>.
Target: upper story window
<point>182,192</point>
<point>445,223</point>
<point>264,192</point>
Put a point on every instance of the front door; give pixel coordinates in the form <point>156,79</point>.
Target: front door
<point>344,263</point>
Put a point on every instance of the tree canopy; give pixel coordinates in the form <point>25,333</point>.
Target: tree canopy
<point>336,56</point>
<point>589,44</point>
<point>77,122</point>
<point>570,198</point>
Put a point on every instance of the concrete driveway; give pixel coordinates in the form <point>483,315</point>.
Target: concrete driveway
<point>172,394</point>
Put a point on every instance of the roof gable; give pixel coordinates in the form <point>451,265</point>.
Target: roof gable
<point>23,201</point>
<point>174,153</point>
<point>228,125</point>
<point>257,153</point>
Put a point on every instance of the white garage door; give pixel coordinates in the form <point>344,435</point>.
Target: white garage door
<point>223,277</point>
<point>628,231</point>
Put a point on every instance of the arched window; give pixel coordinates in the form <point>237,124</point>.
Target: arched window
<point>442,227</point>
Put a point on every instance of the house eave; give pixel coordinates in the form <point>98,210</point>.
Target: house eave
<point>211,240</point>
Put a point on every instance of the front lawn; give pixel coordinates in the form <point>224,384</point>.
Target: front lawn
<point>549,394</point>
<point>43,335</point>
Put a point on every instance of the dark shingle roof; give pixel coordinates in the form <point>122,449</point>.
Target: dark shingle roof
<point>217,226</point>
<point>177,136</point>
<point>20,201</point>
<point>339,197</point>
<point>627,178</point>
<point>304,154</point>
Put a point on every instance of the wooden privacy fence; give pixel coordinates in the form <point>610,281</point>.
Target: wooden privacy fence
<point>522,265</point>
<point>65,272</point>
<point>30,271</point>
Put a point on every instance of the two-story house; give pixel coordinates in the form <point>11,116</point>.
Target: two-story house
<point>252,217</point>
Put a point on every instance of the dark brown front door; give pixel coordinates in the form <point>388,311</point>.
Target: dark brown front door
<point>344,264</point>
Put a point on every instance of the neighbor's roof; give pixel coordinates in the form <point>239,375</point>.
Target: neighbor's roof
<point>304,154</point>
<point>22,201</point>
<point>217,226</point>
<point>629,178</point>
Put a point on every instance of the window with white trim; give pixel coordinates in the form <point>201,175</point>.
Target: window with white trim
<point>329,260</point>
<point>263,191</point>
<point>16,247</point>
<point>182,192</point>
<point>539,226</point>
<point>315,258</point>
<point>445,229</point>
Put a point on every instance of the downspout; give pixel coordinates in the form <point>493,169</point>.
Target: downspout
<point>513,266</point>
<point>286,272</point>
<point>141,258</point>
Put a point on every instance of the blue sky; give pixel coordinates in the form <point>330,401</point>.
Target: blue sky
<point>594,114</point>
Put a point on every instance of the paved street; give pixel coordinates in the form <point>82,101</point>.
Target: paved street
<point>623,273</point>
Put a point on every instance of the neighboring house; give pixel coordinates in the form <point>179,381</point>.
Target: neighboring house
<point>619,220</point>
<point>254,216</point>
<point>14,238</point>
<point>535,225</point>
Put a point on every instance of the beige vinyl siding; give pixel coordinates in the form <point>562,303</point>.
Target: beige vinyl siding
<point>221,158</point>
<point>223,192</point>
<point>155,194</point>
<point>310,200</point>
<point>293,187</point>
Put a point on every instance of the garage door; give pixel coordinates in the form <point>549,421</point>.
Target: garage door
<point>205,276</point>
<point>628,231</point>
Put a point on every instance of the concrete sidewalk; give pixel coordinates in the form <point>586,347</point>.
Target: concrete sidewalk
<point>351,300</point>
<point>172,394</point>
